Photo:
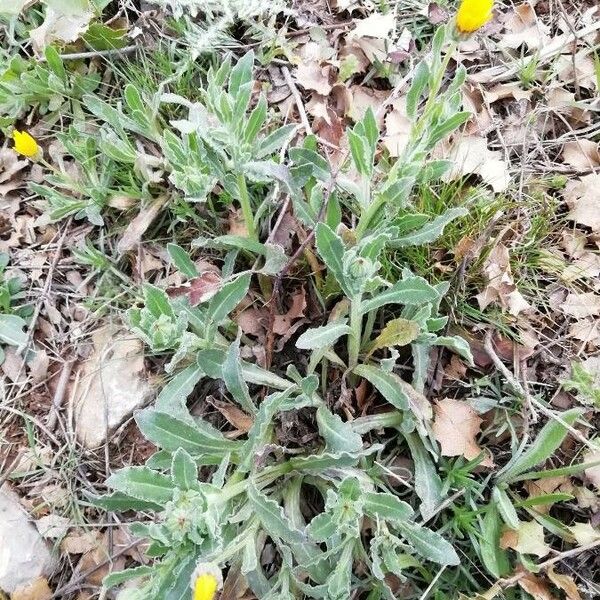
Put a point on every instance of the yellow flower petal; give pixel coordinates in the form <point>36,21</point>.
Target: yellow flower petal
<point>25,144</point>
<point>205,587</point>
<point>473,14</point>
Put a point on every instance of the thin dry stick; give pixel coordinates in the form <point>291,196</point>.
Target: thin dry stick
<point>505,583</point>
<point>72,585</point>
<point>46,289</point>
<point>519,390</point>
<point>297,99</point>
<point>59,394</point>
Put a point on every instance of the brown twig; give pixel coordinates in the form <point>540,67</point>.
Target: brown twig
<point>72,585</point>
<point>505,583</point>
<point>59,394</point>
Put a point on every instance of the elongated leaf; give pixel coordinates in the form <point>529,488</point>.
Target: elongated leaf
<point>430,231</point>
<point>318,338</point>
<point>211,362</point>
<point>119,577</point>
<point>458,345</point>
<point>182,260</point>
<point>320,462</point>
<point>172,398</point>
<point>11,330</point>
<point>547,441</point>
<point>358,149</point>
<point>226,299</point>
<point>387,384</point>
<point>118,502</point>
<point>397,332</point>
<point>410,291</point>
<point>331,250</point>
<point>429,544</point>
<point>142,483</point>
<point>417,87</point>
<point>505,508</point>
<point>170,433</point>
<point>271,515</point>
<point>387,506</point>
<point>233,376</point>
<point>184,471</point>
<point>494,558</point>
<point>338,435</point>
<point>428,484</point>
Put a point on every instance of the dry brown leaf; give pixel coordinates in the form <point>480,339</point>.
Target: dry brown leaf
<point>524,28</point>
<point>528,539</point>
<point>455,427</point>
<point>237,417</point>
<point>376,25</point>
<point>363,98</point>
<point>583,155</point>
<point>535,586</point>
<point>199,289</point>
<point>581,305</point>
<point>565,583</point>
<point>38,589</point>
<point>112,384</point>
<point>585,533</point>
<point>583,200</point>
<point>282,323</point>
<point>500,286</point>
<point>550,485</point>
<point>313,76</point>
<point>512,89</point>
<point>471,156</point>
<point>139,224</point>
<point>397,128</point>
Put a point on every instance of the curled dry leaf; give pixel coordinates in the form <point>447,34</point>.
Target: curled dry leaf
<point>583,200</point>
<point>471,156</point>
<point>38,589</point>
<point>500,287</point>
<point>199,289</point>
<point>528,539</point>
<point>62,26</point>
<point>581,305</point>
<point>455,427</point>
<point>313,76</point>
<point>585,533</point>
<point>535,586</point>
<point>397,128</point>
<point>524,28</point>
<point>583,155</point>
<point>565,583</point>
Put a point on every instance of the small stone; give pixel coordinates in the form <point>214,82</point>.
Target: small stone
<point>24,556</point>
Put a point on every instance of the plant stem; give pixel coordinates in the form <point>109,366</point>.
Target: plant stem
<point>354,339</point>
<point>244,198</point>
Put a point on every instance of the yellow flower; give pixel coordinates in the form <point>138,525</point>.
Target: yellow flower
<point>206,581</point>
<point>25,144</point>
<point>206,587</point>
<point>473,14</point>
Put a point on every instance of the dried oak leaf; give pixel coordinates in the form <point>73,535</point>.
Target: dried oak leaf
<point>565,583</point>
<point>581,305</point>
<point>583,155</point>
<point>528,539</point>
<point>456,427</point>
<point>583,200</point>
<point>199,289</point>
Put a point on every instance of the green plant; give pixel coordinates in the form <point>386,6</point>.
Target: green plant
<point>584,383</point>
<point>12,314</point>
<point>47,87</point>
<point>256,491</point>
